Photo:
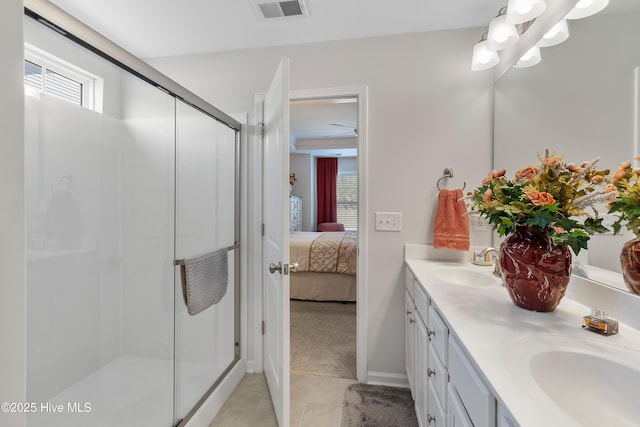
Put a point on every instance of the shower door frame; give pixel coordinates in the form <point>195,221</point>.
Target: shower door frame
<point>67,26</point>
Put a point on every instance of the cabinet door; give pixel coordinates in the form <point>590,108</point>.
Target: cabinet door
<point>410,341</point>
<point>456,414</point>
<point>421,372</point>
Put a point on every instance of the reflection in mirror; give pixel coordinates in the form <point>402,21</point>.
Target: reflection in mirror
<point>582,101</point>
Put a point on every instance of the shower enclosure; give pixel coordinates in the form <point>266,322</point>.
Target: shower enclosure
<point>122,178</point>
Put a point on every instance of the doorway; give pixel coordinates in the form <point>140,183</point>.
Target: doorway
<point>327,320</point>
<point>323,131</point>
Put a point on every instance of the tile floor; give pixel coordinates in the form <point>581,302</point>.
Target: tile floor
<point>315,401</point>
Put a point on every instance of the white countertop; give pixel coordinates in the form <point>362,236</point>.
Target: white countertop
<point>486,323</point>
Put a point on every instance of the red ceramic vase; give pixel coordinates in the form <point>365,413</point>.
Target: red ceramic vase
<point>535,271</point>
<point>630,262</point>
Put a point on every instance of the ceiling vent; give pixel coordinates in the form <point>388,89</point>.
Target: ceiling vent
<point>280,9</point>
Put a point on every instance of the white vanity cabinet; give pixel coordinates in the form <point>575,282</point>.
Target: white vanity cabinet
<point>447,390</point>
<point>416,339</point>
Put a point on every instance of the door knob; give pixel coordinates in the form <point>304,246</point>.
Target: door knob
<point>275,267</point>
<point>294,267</point>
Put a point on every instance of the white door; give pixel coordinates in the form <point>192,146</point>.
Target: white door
<point>276,240</point>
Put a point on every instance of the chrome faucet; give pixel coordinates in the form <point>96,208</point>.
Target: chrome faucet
<point>489,253</point>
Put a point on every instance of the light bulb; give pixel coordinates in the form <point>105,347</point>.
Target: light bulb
<point>519,11</point>
<point>556,35</point>
<point>501,35</point>
<point>483,58</point>
<point>585,8</point>
<point>530,58</point>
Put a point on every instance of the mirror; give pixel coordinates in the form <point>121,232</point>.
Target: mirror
<point>581,101</point>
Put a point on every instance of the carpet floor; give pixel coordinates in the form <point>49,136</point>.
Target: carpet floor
<point>323,338</point>
<point>377,406</point>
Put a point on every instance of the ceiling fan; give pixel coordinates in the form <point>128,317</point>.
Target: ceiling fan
<point>353,131</point>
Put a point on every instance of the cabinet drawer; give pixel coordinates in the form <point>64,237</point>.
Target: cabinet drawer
<point>476,398</point>
<point>437,375</point>
<point>409,282</point>
<point>422,303</point>
<point>435,410</point>
<point>439,335</point>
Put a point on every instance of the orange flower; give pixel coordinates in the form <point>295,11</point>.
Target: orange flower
<point>540,198</point>
<point>487,196</point>
<point>610,188</point>
<point>597,179</point>
<point>558,230</point>
<point>574,168</point>
<point>551,161</point>
<point>527,173</point>
<point>494,174</point>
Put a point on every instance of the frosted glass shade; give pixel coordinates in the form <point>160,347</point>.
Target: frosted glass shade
<point>556,35</point>
<point>483,58</point>
<point>519,11</point>
<point>585,8</point>
<point>530,58</point>
<point>501,35</point>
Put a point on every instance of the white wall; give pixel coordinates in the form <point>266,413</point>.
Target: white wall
<point>12,216</point>
<point>427,111</point>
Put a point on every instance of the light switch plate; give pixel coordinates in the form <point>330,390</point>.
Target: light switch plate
<point>388,221</point>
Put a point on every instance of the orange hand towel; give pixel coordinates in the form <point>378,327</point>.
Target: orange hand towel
<point>451,229</point>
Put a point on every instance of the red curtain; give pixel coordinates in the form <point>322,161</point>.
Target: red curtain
<point>327,176</point>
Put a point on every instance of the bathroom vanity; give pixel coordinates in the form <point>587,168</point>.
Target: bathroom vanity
<point>475,359</point>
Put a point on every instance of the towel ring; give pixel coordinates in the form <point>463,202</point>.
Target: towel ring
<point>448,173</point>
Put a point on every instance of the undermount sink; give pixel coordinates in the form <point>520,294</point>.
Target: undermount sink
<point>463,275</point>
<point>592,382</point>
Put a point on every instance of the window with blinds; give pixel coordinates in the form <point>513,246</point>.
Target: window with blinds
<point>45,73</point>
<point>53,83</point>
<point>347,201</point>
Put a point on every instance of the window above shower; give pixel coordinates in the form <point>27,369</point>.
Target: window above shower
<point>47,74</point>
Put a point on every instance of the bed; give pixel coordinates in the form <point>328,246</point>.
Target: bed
<point>327,265</point>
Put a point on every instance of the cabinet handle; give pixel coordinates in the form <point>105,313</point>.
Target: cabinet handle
<point>412,320</point>
<point>430,418</point>
<point>431,372</point>
<point>408,312</point>
<point>430,333</point>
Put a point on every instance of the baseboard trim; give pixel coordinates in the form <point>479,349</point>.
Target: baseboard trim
<point>210,408</point>
<point>388,379</point>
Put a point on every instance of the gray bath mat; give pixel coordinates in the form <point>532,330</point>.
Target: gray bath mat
<point>377,406</point>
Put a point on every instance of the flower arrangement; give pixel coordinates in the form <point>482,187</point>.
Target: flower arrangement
<point>627,203</point>
<point>552,197</point>
<point>292,178</point>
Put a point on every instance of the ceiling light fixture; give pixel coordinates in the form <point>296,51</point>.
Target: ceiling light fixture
<point>520,11</point>
<point>501,34</point>
<point>483,58</point>
<point>585,8</point>
<point>530,58</point>
<point>556,35</point>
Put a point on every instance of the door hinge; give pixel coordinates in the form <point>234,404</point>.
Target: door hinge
<point>261,126</point>
<point>262,229</point>
<point>263,327</point>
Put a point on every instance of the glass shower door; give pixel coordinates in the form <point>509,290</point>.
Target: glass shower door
<point>205,222</point>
